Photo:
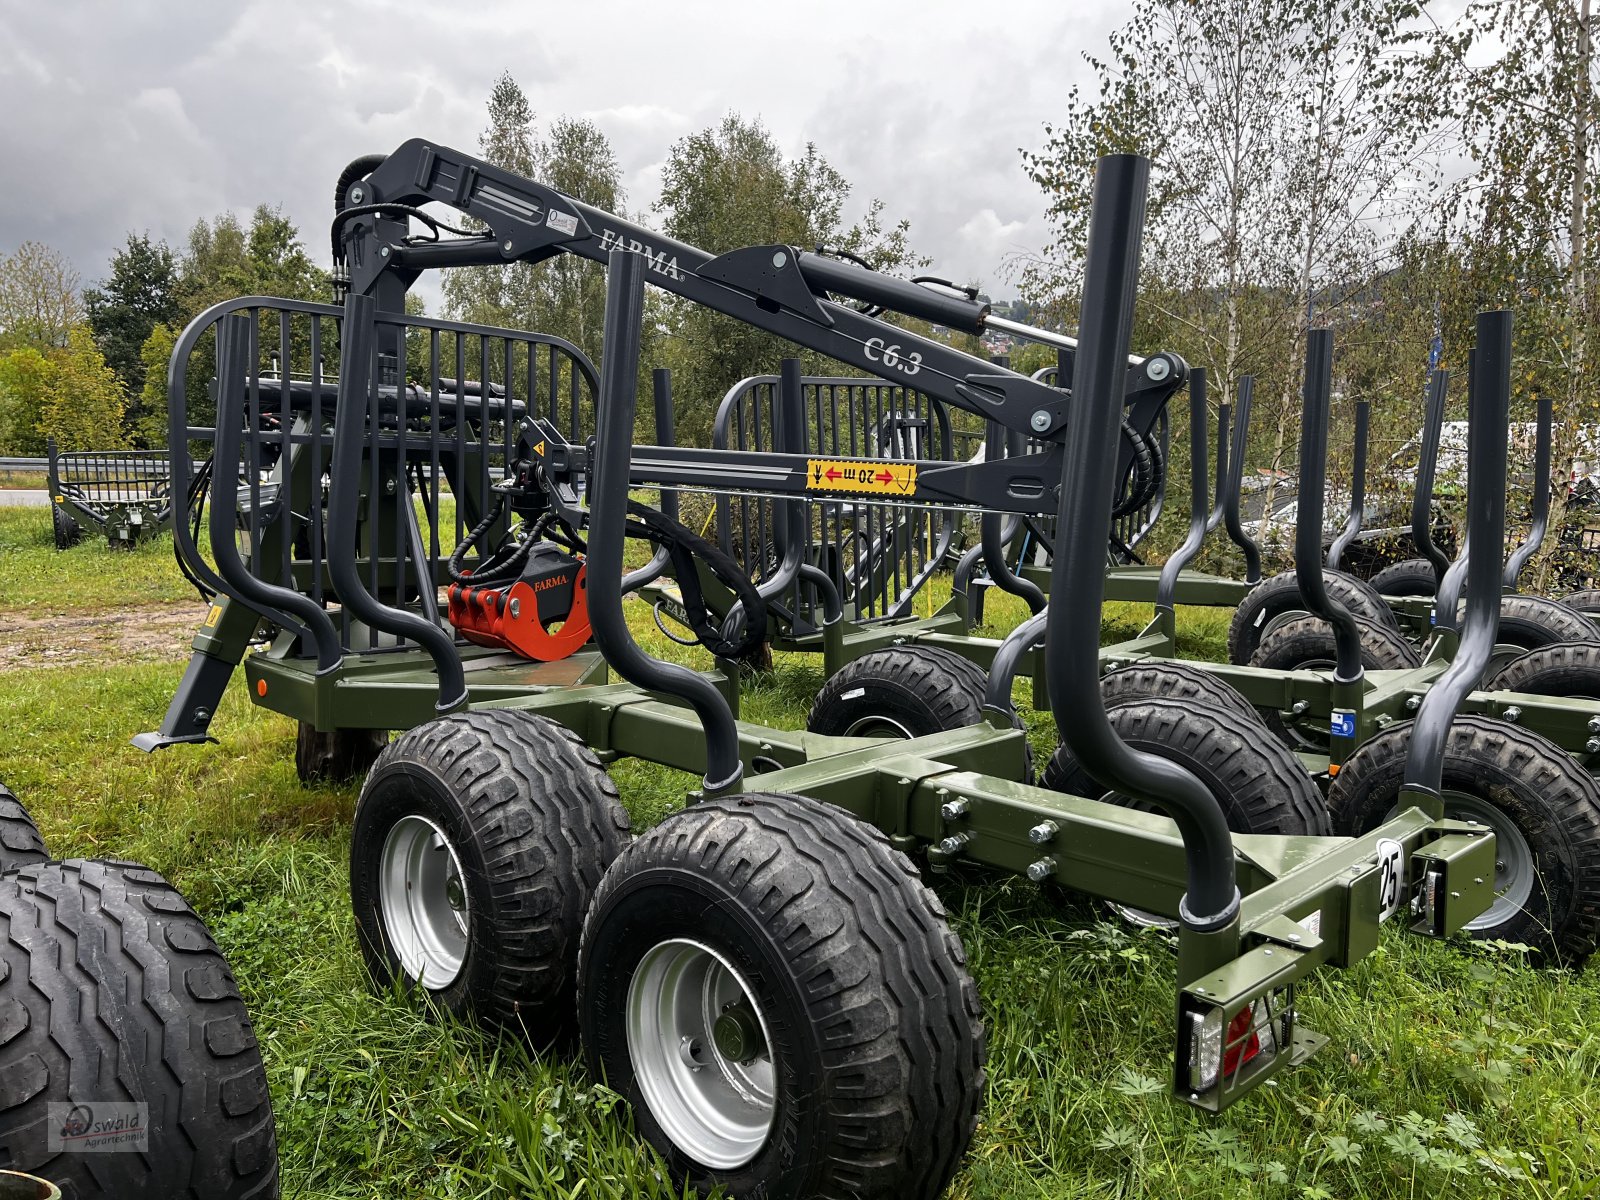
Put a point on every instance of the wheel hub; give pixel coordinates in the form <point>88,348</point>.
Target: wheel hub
<point>423,902</point>
<point>737,1034</point>
<point>700,1052</point>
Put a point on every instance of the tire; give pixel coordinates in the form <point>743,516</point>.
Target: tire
<point>336,757</point>
<point>114,992</point>
<point>1274,597</point>
<point>20,843</point>
<point>1411,577</point>
<point>1261,785</point>
<point>68,532</point>
<point>527,821</point>
<point>1532,622</point>
<point>1561,669</point>
<point>1516,779</point>
<point>843,956</point>
<point>1173,681</point>
<point>1586,601</point>
<point>905,691</point>
<point>1307,643</point>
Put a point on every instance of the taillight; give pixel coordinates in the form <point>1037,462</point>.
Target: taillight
<point>1241,1043</point>
<point>1222,1052</point>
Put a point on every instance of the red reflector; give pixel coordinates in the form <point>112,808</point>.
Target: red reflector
<point>1241,1043</point>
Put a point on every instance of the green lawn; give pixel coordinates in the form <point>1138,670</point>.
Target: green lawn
<point>1453,1070</point>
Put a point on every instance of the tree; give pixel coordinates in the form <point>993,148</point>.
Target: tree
<point>499,296</point>
<point>730,186</point>
<point>225,260</point>
<point>69,394</point>
<point>564,295</point>
<point>1288,139</point>
<point>26,377</point>
<point>84,406</point>
<point>140,293</point>
<point>39,301</point>
<point>154,355</point>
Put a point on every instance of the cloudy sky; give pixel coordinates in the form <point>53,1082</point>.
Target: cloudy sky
<point>146,115</point>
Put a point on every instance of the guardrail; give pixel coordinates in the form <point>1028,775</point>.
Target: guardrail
<point>24,464</point>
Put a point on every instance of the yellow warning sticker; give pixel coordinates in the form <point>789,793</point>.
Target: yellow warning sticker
<point>213,616</point>
<point>854,475</point>
<point>539,449</point>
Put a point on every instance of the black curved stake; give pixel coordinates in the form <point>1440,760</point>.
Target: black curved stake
<point>1309,510</point>
<point>1077,589</point>
<point>1230,511</point>
<point>608,504</point>
<point>1489,408</point>
<point>1358,488</point>
<point>1427,464</point>
<point>1198,517</point>
<point>1541,499</point>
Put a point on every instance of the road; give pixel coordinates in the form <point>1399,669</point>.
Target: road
<point>24,498</point>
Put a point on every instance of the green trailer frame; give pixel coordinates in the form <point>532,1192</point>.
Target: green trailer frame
<point>1255,915</point>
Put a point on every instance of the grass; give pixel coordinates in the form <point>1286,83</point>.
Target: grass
<point>1453,1070</point>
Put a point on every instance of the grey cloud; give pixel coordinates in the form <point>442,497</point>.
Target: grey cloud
<point>132,116</point>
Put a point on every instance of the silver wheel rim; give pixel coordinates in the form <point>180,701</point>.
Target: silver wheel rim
<point>1514,871</point>
<point>878,726</point>
<point>716,1106</point>
<point>423,896</point>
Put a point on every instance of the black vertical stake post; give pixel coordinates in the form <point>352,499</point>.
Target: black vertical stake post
<point>1358,488</point>
<point>1446,606</point>
<point>1209,911</point>
<point>608,504</point>
<point>1427,464</point>
<point>233,340</point>
<point>1488,413</point>
<point>1230,512</point>
<point>1224,419</point>
<point>1198,517</point>
<point>1541,499</point>
<point>350,427</point>
<point>1347,674</point>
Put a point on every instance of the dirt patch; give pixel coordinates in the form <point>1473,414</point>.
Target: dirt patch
<point>138,632</point>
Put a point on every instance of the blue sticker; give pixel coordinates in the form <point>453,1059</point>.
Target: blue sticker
<point>1343,724</point>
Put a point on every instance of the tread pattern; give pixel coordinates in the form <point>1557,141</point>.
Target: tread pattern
<point>1260,784</point>
<point>1533,621</point>
<point>1586,601</point>
<point>893,1015</point>
<point>1280,594</point>
<point>1562,669</point>
<point>927,689</point>
<point>1409,577</point>
<point>948,687</point>
<point>20,843</point>
<point>539,818</point>
<point>1554,800</point>
<point>112,989</point>
<point>1173,681</point>
<point>1310,639</point>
